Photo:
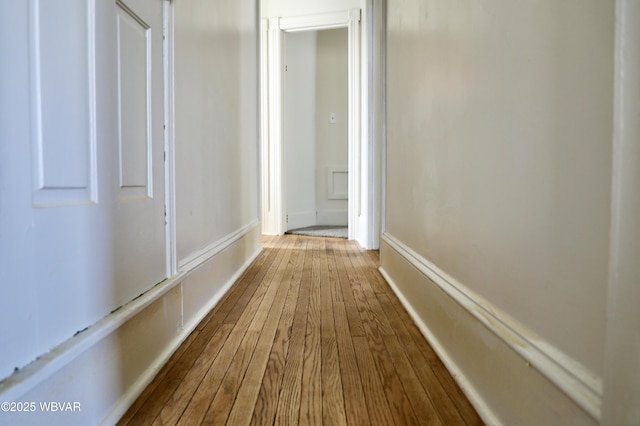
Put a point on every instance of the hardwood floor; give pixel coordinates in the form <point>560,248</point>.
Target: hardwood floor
<point>310,334</point>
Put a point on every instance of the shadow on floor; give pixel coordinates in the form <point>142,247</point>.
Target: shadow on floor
<point>331,231</point>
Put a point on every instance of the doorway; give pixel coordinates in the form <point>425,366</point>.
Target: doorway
<point>316,130</point>
<point>273,180</point>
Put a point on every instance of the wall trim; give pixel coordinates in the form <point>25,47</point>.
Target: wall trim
<point>170,138</point>
<point>266,201</point>
<point>322,21</point>
<point>356,106</point>
<point>199,257</point>
<point>572,378</point>
<point>37,372</point>
<point>332,192</point>
<point>622,352</point>
<point>470,392</point>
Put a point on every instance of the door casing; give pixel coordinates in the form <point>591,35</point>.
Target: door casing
<point>273,211</point>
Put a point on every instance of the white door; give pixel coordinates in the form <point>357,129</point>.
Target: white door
<point>140,191</point>
<point>81,166</point>
<point>300,129</point>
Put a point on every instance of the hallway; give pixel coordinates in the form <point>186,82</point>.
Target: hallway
<point>310,333</point>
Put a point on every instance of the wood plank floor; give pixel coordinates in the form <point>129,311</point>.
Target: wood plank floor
<point>310,334</point>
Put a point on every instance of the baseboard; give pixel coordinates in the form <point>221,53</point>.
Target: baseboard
<point>333,217</point>
<point>107,366</point>
<point>514,376</point>
<point>200,256</point>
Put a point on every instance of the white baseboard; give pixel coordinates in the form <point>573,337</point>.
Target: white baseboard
<point>107,366</point>
<point>200,256</point>
<point>514,376</point>
<point>333,217</point>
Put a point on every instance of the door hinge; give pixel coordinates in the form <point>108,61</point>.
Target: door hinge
<point>286,68</point>
<point>287,218</point>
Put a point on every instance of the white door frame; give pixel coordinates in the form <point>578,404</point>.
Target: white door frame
<point>273,215</point>
<point>622,354</point>
<point>169,140</point>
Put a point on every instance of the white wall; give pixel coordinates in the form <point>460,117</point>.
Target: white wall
<point>332,144</point>
<point>216,127</point>
<point>499,124</point>
<point>57,262</point>
<point>300,128</point>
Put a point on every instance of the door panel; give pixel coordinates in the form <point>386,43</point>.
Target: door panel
<point>61,67</point>
<point>140,239</point>
<point>81,166</point>
<point>134,99</point>
<point>300,129</point>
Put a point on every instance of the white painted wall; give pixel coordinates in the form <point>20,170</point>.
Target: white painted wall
<point>499,124</point>
<point>300,128</point>
<point>216,127</point>
<point>332,138</point>
<point>57,263</point>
